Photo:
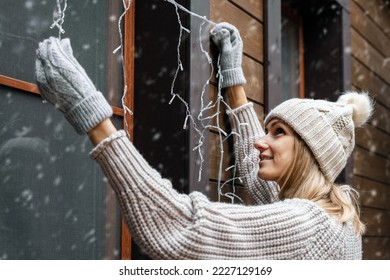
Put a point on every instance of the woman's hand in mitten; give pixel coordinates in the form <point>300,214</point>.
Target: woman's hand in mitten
<point>64,83</point>
<point>228,40</point>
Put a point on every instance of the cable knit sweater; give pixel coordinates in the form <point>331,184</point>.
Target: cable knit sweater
<point>169,225</point>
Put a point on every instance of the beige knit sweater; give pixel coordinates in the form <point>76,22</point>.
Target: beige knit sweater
<point>169,225</point>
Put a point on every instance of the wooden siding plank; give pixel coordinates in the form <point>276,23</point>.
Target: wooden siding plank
<point>381,118</point>
<point>223,118</point>
<point>259,109</point>
<point>363,51</point>
<point>377,11</point>
<point>376,248</point>
<point>372,194</point>
<point>253,7</point>
<point>372,32</point>
<point>228,155</point>
<point>376,221</point>
<point>254,75</point>
<point>369,165</point>
<point>247,16</point>
<point>250,29</point>
<point>253,71</point>
<point>370,68</point>
<point>373,140</point>
<point>215,156</point>
<point>364,79</point>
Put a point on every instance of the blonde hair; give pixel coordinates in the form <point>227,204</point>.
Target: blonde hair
<point>304,180</point>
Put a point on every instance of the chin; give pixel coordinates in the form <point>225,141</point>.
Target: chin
<point>263,176</point>
<point>266,177</point>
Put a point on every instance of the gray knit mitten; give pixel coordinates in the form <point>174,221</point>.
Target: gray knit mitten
<point>64,83</point>
<point>228,40</point>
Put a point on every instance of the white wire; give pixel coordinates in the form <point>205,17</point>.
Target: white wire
<point>126,110</point>
<point>204,116</point>
<point>59,16</point>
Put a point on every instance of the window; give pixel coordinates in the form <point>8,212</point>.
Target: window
<point>325,56</point>
<point>320,31</point>
<point>55,202</point>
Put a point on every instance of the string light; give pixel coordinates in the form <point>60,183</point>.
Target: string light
<point>205,116</point>
<point>59,16</point>
<point>126,109</point>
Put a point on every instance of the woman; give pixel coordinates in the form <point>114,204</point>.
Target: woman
<point>288,170</point>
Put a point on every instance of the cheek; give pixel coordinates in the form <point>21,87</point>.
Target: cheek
<point>286,151</point>
<point>290,155</point>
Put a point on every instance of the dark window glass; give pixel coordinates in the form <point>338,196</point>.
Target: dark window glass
<point>54,201</point>
<point>91,26</point>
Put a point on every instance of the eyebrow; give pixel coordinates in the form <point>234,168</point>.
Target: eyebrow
<point>274,122</point>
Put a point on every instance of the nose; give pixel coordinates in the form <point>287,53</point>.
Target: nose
<point>261,144</point>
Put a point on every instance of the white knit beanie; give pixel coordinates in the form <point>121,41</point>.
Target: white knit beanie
<point>328,128</point>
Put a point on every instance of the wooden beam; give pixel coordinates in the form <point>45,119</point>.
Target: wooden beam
<point>18,84</point>
<point>128,44</point>
<point>32,88</point>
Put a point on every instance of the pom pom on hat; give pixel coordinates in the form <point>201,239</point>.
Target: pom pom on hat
<point>362,106</point>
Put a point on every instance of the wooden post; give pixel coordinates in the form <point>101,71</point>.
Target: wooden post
<point>128,60</point>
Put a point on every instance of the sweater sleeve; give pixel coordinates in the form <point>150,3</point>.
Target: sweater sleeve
<point>246,130</point>
<point>169,225</point>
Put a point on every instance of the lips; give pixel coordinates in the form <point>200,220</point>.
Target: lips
<point>265,157</point>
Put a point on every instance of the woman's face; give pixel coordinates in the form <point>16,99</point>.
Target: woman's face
<point>276,150</point>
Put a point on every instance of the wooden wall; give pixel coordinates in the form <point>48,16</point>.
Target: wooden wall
<point>370,36</point>
<point>247,16</point>
<point>370,41</point>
